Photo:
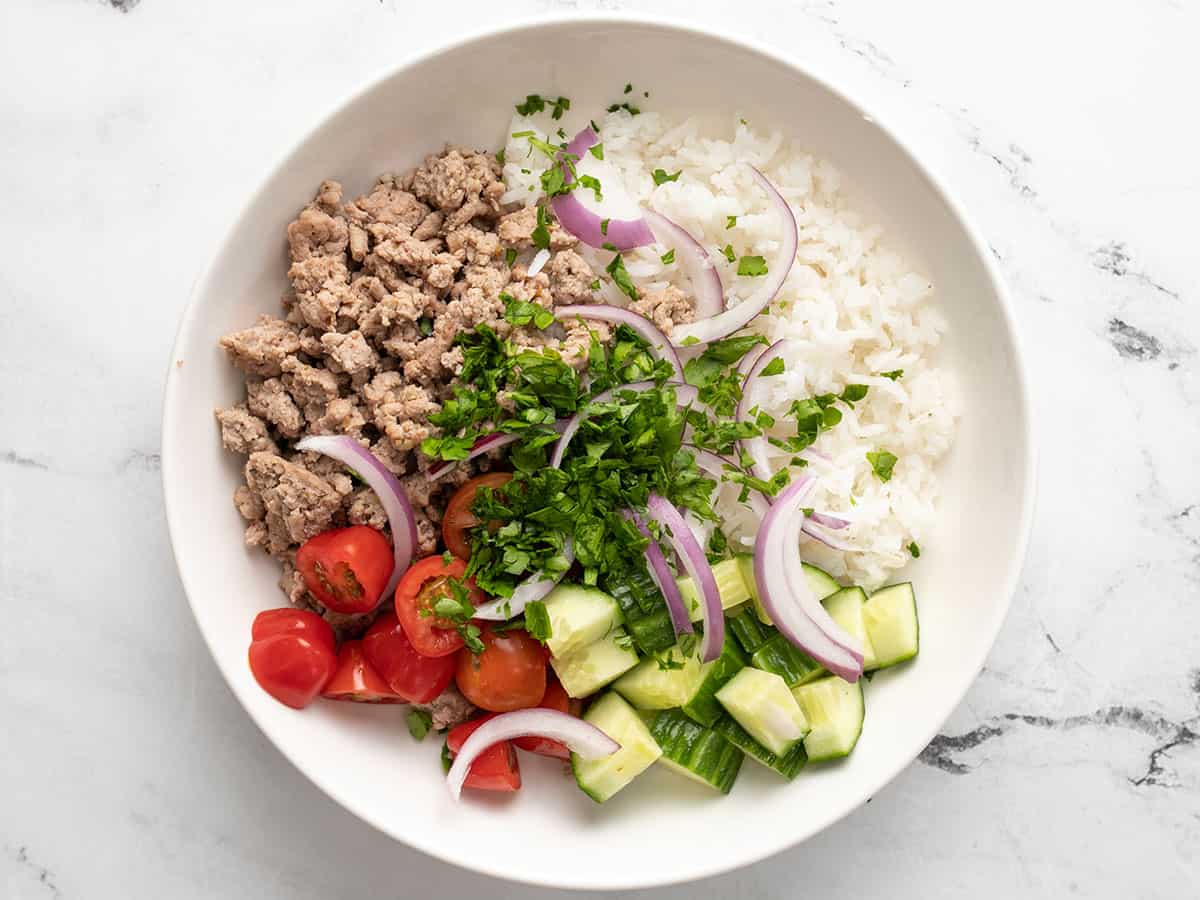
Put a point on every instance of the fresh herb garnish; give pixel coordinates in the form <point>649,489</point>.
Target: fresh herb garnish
<point>668,257</point>
<point>595,285</point>
<point>882,462</point>
<point>661,177</point>
<point>730,222</point>
<point>668,662</point>
<point>597,150</point>
<point>620,276</point>
<point>774,367</point>
<point>592,184</point>
<point>500,156</point>
<point>537,621</point>
<point>752,266</point>
<point>604,226</point>
<point>727,252</point>
<point>628,88</point>
<point>628,107</point>
<point>425,326</point>
<point>893,375</point>
<point>524,312</point>
<point>510,257</point>
<point>914,550</point>
<point>419,722</point>
<point>541,233</point>
<point>535,103</point>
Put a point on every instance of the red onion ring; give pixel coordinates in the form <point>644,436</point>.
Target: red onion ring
<point>391,495</point>
<point>736,317</point>
<point>623,234</point>
<point>531,589</point>
<point>660,574</point>
<point>618,315</point>
<point>581,737</point>
<point>685,394</point>
<point>691,554</point>
<point>784,592</point>
<point>707,288</point>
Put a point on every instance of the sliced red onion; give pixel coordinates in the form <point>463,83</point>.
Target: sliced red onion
<point>580,737</point>
<point>403,524</point>
<point>691,554</point>
<point>707,289</point>
<point>828,521</point>
<point>617,315</point>
<point>538,263</point>
<point>623,234</point>
<point>483,445</point>
<point>661,575</point>
<point>532,588</point>
<point>736,317</point>
<point>685,395</point>
<point>756,447</point>
<point>817,533</point>
<point>784,592</point>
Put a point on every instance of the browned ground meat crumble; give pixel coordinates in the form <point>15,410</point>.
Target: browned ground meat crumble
<point>380,287</point>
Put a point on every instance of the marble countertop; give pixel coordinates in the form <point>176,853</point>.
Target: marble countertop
<point>132,131</point>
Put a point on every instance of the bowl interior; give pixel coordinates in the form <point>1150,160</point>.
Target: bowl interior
<point>363,756</point>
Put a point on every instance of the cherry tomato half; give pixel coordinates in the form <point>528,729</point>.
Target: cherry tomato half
<point>289,620</point>
<point>291,668</point>
<point>554,698</point>
<point>509,674</point>
<point>355,679</point>
<point>416,678</point>
<point>459,518</point>
<point>419,589</point>
<point>346,568</point>
<point>496,769</point>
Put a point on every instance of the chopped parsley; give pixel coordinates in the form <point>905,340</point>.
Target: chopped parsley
<point>752,266</point>
<point>727,252</point>
<point>893,375</point>
<point>419,723</point>
<point>628,88</point>
<point>510,257</point>
<point>914,550</point>
<point>595,128</point>
<point>456,608</point>
<point>535,103</point>
<point>730,222</point>
<point>853,393</point>
<point>525,312</point>
<point>592,184</point>
<point>668,662</point>
<point>595,285</point>
<point>541,233</point>
<point>597,150</point>
<point>774,367</point>
<point>620,277</point>
<point>668,257</point>
<point>425,326</point>
<point>537,621</point>
<point>661,176</point>
<point>624,641</point>
<point>882,462</point>
<point>604,226</point>
<point>628,107</point>
<point>500,156</point>
<point>447,757</point>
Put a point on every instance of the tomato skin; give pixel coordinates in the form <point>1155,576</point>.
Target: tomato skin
<point>417,590</point>
<point>291,668</point>
<point>289,620</point>
<point>509,674</point>
<point>495,769</point>
<point>555,698</point>
<point>459,518</point>
<point>354,679</point>
<point>416,678</point>
<point>346,569</point>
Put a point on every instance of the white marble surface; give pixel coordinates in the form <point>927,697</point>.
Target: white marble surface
<point>130,133</point>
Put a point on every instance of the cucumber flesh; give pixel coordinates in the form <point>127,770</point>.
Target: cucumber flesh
<point>694,751</point>
<point>762,704</point>
<point>846,608</point>
<point>788,765</point>
<point>579,616</point>
<point>748,630</point>
<point>703,705</point>
<point>730,585</point>
<point>663,680</point>
<point>601,778</point>
<point>586,670</point>
<point>835,709</point>
<point>890,616</point>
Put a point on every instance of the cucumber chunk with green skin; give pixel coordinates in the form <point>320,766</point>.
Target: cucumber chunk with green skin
<point>731,585</point>
<point>822,583</point>
<point>846,608</point>
<point>584,671</point>
<point>835,710</point>
<point>601,778</point>
<point>749,632</point>
<point>788,765</point>
<point>643,608</point>
<point>579,616</point>
<point>694,751</point>
<point>789,662</point>
<point>663,680</point>
<point>703,705</point>
<point>890,615</point>
<point>762,704</point>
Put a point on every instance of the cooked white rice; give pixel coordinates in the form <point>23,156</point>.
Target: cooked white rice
<point>856,308</point>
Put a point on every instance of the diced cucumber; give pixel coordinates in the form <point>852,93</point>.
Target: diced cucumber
<point>730,585</point>
<point>586,670</point>
<point>662,680</point>
<point>822,583</point>
<point>579,616</point>
<point>834,708</point>
<point>748,630</point>
<point>643,607</point>
<point>703,705</point>
<point>788,765</point>
<point>694,751</point>
<point>789,662</point>
<point>601,778</point>
<point>890,615</point>
<point>763,705</point>
<point>846,608</point>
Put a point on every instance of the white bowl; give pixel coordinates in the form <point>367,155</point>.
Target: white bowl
<point>663,829</point>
